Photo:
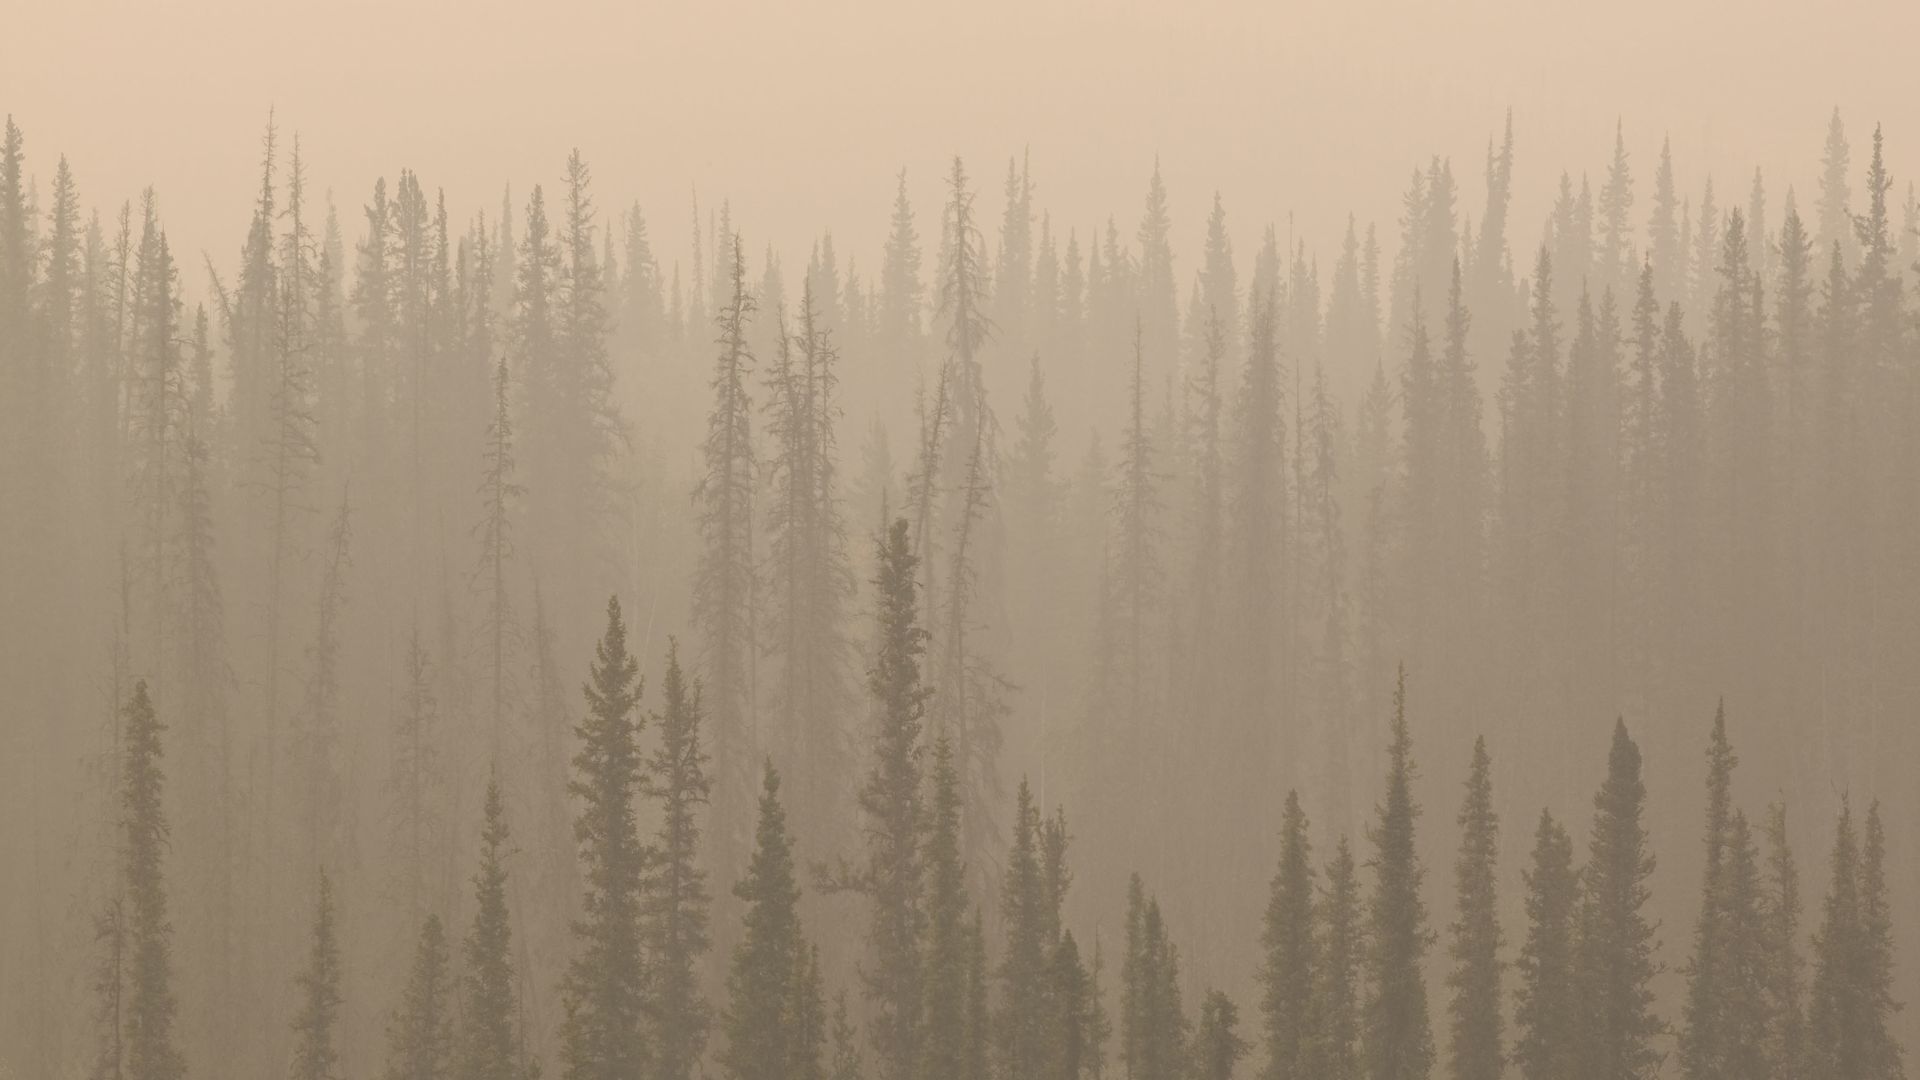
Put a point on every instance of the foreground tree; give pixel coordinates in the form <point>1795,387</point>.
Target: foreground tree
<point>315,1055</point>
<point>1547,1014</point>
<point>1852,1001</point>
<point>1398,1041</point>
<point>674,913</point>
<point>491,1046</point>
<point>1288,962</point>
<point>604,992</point>
<point>1217,1045</point>
<point>773,968</point>
<point>420,1035</point>
<point>1614,942</point>
<point>1476,1008</point>
<point>891,804</point>
<point>148,1042</point>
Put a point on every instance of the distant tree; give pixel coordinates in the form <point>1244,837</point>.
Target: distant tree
<point>499,492</point>
<point>415,781</point>
<point>604,992</point>
<point>420,1032</point>
<point>723,584</point>
<point>809,579</point>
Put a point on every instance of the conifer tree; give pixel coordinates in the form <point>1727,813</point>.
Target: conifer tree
<point>1217,1045</point>
<point>148,1044</point>
<point>1398,1041</point>
<point>499,491</point>
<point>945,952</point>
<point>1851,1001</point>
<point>900,285</point>
<point>1882,1053</point>
<point>1477,1014</point>
<point>891,805</point>
<point>490,1044</point>
<point>604,991</point>
<point>1154,1025</point>
<point>1289,966</point>
<point>723,584</point>
<point>415,782</point>
<point>1548,1012</point>
<point>674,912</point>
<point>765,1033</point>
<point>1786,965</point>
<point>1029,1014</point>
<point>845,1063</point>
<point>1614,940</point>
<point>316,1055</point>
<point>1340,941</point>
<point>810,578</point>
<point>420,1033</point>
<point>1706,1034</point>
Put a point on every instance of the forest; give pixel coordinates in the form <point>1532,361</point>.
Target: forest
<point>481,644</point>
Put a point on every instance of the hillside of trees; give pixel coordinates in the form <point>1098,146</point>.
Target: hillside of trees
<point>482,645</point>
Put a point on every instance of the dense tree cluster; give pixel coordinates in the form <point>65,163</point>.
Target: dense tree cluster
<point>335,523</point>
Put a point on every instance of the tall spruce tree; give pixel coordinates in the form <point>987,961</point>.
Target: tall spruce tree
<point>1548,1012</point>
<point>316,1053</point>
<point>604,992</point>
<point>1615,948</point>
<point>1706,1034</point>
<point>150,1006</point>
<point>490,1043</point>
<point>1030,1013</point>
<point>1340,941</point>
<point>945,952</point>
<point>1289,965</point>
<point>1217,1045</point>
<point>1852,1002</point>
<point>1786,964</point>
<point>420,1032</point>
<point>1154,1024</point>
<point>723,584</point>
<point>674,912</point>
<point>1478,1052</point>
<point>891,804</point>
<point>765,1032</point>
<point>1397,1038</point>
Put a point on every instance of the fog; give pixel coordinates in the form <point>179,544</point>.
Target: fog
<point>1040,542</point>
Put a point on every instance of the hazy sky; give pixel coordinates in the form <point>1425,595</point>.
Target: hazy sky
<point>801,113</point>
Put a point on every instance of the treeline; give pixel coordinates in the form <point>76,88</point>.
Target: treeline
<point>1342,962</point>
<point>349,501</point>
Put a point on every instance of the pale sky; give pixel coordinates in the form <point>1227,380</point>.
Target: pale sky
<point>800,114</point>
